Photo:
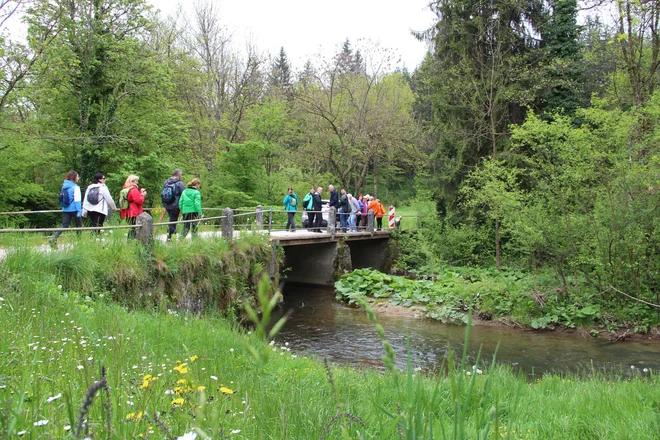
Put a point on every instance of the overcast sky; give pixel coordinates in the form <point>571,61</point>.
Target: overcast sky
<point>309,27</point>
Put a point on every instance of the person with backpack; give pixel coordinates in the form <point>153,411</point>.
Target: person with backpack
<point>71,203</point>
<point>290,203</point>
<point>308,204</point>
<point>170,196</point>
<point>130,201</point>
<point>97,203</point>
<point>190,204</point>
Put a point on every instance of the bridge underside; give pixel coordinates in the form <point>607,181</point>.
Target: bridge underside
<point>323,262</point>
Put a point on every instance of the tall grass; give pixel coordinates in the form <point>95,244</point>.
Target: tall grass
<point>197,374</point>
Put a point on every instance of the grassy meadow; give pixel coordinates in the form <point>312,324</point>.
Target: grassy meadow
<point>172,374</point>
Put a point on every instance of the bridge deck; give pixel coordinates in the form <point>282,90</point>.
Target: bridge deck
<point>303,236</point>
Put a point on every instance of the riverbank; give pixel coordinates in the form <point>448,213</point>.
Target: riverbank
<point>501,298</point>
<point>169,373</point>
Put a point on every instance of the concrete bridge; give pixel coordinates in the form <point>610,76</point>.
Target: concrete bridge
<point>320,258</point>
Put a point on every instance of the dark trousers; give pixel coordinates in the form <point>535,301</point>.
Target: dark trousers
<point>319,220</point>
<point>131,232</point>
<point>290,222</point>
<point>66,221</point>
<point>97,219</point>
<point>174,216</point>
<point>189,225</point>
<point>311,219</point>
<point>379,222</point>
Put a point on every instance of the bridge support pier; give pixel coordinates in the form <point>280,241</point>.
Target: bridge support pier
<point>324,263</point>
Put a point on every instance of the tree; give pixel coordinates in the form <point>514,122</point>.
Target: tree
<point>280,74</point>
<point>359,117</point>
<point>639,39</point>
<point>225,86</point>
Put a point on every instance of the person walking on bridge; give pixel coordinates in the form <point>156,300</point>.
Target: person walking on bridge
<point>170,196</point>
<point>131,200</point>
<point>190,204</point>
<point>71,203</point>
<point>98,203</point>
<point>290,203</point>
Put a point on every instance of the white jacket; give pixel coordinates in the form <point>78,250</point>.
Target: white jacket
<point>105,200</point>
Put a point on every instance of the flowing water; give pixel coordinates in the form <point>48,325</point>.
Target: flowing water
<point>321,326</point>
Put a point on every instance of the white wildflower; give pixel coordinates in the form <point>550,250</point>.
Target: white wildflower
<point>189,436</point>
<point>80,367</point>
<point>235,431</point>
<point>214,377</point>
<point>55,397</point>
<point>43,422</point>
<point>21,433</point>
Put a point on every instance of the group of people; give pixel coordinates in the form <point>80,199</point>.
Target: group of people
<point>97,203</point>
<point>352,212</point>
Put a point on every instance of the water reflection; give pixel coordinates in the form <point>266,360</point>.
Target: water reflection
<point>321,326</point>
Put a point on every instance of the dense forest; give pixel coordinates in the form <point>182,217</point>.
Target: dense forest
<point>532,134</point>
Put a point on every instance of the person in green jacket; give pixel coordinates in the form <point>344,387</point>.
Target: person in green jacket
<point>290,203</point>
<point>190,205</point>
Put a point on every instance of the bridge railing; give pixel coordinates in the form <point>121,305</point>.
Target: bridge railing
<point>231,221</point>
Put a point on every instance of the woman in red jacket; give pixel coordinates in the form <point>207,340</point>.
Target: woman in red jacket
<point>135,198</point>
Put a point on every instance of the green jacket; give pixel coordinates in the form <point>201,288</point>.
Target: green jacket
<point>190,201</point>
<point>287,202</point>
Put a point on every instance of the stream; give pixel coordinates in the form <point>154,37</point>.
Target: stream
<point>319,325</point>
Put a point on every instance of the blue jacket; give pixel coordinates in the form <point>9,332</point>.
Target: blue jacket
<point>334,199</point>
<point>287,202</point>
<point>74,195</point>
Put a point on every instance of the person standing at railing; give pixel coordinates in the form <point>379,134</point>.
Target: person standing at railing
<point>131,200</point>
<point>334,202</point>
<point>170,196</point>
<point>190,204</point>
<point>355,208</point>
<point>308,205</point>
<point>71,203</point>
<point>364,211</point>
<point>379,212</point>
<point>318,206</point>
<point>344,209</point>
<point>97,203</point>
<point>290,203</point>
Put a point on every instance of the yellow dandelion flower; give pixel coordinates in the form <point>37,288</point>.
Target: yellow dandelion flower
<point>226,390</point>
<point>201,388</point>
<point>134,416</point>
<point>182,368</point>
<point>145,384</point>
<point>178,390</point>
<point>194,358</point>
<point>178,401</point>
<point>181,381</point>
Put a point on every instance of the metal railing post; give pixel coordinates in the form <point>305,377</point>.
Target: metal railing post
<point>228,224</point>
<point>259,218</point>
<point>270,219</point>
